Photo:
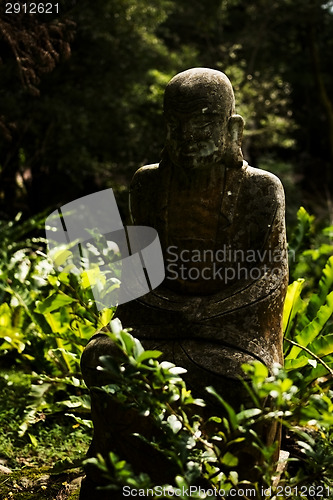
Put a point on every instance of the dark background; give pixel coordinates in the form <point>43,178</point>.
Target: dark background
<point>81,93</point>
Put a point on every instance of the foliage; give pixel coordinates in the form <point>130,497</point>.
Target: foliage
<point>46,318</point>
<point>297,396</point>
<point>48,441</point>
<point>95,110</point>
<point>34,46</point>
<point>98,113</point>
<point>31,292</point>
<point>308,317</point>
<point>205,452</point>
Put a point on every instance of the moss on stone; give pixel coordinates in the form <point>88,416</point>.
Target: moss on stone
<point>31,483</point>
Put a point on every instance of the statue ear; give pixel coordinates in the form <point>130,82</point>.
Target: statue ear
<point>235,136</point>
<point>235,129</point>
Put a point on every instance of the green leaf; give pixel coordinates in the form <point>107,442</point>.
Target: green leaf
<point>105,316</point>
<point>315,373</point>
<point>229,459</point>
<point>249,413</point>
<point>313,329</point>
<point>65,464</point>
<point>127,342</point>
<point>303,229</point>
<point>215,419</point>
<point>82,421</point>
<point>33,440</point>
<point>294,364</point>
<point>323,346</point>
<point>92,276</point>
<point>325,286</point>
<point>64,278</point>
<point>260,370</point>
<point>233,476</point>
<point>230,411</point>
<point>292,304</point>
<point>12,339</point>
<point>53,302</point>
<point>137,348</point>
<point>148,355</point>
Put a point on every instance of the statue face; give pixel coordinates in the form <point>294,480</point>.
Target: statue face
<point>195,138</point>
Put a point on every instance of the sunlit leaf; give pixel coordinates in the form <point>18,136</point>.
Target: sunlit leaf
<point>229,459</point>
<point>292,304</point>
<point>54,302</point>
<point>148,355</point>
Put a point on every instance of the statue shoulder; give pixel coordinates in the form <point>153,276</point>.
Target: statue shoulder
<point>262,205</point>
<point>147,173</point>
<point>142,194</point>
<point>264,180</point>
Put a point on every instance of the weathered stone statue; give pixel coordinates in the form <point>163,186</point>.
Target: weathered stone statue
<point>222,231</point>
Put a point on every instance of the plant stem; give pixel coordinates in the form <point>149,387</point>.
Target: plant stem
<point>317,358</point>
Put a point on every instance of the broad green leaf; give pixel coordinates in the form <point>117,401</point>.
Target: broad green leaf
<point>53,280</point>
<point>292,304</point>
<point>260,370</point>
<point>313,329</point>
<point>295,363</point>
<point>86,330</point>
<point>286,384</point>
<point>69,358</point>
<point>323,346</point>
<point>105,316</point>
<point>53,302</point>
<point>315,373</point>
<point>328,231</point>
<point>325,286</point>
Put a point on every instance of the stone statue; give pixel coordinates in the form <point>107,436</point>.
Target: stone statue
<point>222,231</point>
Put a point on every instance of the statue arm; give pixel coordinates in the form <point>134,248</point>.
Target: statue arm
<point>262,213</point>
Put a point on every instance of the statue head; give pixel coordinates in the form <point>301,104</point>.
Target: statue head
<point>202,128</point>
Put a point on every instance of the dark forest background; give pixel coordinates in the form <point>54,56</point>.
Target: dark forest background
<point>81,93</point>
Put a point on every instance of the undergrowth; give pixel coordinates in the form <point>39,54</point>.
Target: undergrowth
<point>47,317</point>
